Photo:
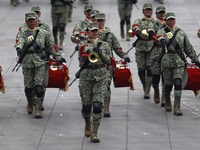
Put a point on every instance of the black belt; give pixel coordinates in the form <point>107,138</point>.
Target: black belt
<point>95,67</point>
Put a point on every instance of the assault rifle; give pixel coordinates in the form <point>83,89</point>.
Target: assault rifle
<point>77,75</point>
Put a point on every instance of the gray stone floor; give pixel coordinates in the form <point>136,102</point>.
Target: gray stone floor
<point>135,124</point>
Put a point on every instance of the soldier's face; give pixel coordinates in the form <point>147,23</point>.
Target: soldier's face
<point>147,12</point>
<point>93,34</point>
<point>87,14</point>
<point>171,22</point>
<point>101,23</point>
<point>160,15</point>
<point>31,23</point>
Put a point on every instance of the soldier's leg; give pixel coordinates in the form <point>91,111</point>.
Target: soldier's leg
<point>163,93</point>
<point>62,35</point>
<point>96,118</point>
<point>155,83</point>
<point>121,11</point>
<point>148,83</point>
<point>69,13</point>
<point>29,84</point>
<point>55,35</point>
<point>168,84</point>
<point>85,89</point>
<point>30,97</point>
<point>106,110</point>
<point>142,76</point>
<point>128,26</point>
<point>177,96</point>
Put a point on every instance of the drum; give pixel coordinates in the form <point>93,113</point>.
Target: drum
<point>191,79</point>
<point>122,75</point>
<point>57,75</point>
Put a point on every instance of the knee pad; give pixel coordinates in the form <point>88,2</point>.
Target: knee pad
<point>149,72</point>
<point>28,91</point>
<point>97,107</point>
<point>168,88</point>
<point>86,109</point>
<point>155,79</point>
<point>177,84</point>
<point>62,27</point>
<point>55,30</point>
<point>39,90</point>
<point>141,73</point>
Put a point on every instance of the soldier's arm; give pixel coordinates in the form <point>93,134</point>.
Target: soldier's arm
<point>105,53</point>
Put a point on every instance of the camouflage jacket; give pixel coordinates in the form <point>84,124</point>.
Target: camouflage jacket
<point>156,51</point>
<point>144,24</point>
<point>174,56</point>
<point>111,39</point>
<point>42,47</point>
<point>97,70</point>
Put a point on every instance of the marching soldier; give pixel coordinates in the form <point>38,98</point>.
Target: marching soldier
<point>156,51</point>
<point>82,24</point>
<point>106,35</point>
<point>144,45</point>
<point>59,20</point>
<point>173,62</point>
<point>125,11</point>
<point>33,46</point>
<point>92,84</point>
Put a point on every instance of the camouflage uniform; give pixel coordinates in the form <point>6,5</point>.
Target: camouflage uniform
<point>125,10</point>
<point>156,52</point>
<point>34,63</point>
<point>59,20</point>
<point>106,35</point>
<point>92,83</point>
<point>143,49</point>
<point>173,62</point>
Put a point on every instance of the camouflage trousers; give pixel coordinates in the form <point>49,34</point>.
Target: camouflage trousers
<point>58,15</point>
<point>169,74</point>
<point>33,77</point>
<point>110,73</point>
<point>91,91</point>
<point>124,10</point>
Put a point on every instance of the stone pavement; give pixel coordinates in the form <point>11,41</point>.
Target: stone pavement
<point>135,124</point>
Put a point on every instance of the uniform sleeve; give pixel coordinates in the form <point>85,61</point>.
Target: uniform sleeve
<point>117,47</point>
<point>136,25</point>
<point>188,49</point>
<point>20,40</point>
<point>106,53</point>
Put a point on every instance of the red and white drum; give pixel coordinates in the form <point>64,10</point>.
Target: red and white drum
<point>57,75</point>
<point>122,75</point>
<point>191,78</point>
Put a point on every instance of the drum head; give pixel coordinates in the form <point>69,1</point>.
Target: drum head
<point>185,78</point>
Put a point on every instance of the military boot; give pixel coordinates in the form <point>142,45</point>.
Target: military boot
<point>38,104</point>
<point>156,94</point>
<point>177,110</point>
<point>94,137</point>
<point>168,105</point>
<point>162,104</point>
<point>106,112</point>
<point>177,101</point>
<point>87,127</point>
<point>147,90</point>
<point>30,107</point>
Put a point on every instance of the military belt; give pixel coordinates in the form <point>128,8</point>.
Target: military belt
<point>35,51</point>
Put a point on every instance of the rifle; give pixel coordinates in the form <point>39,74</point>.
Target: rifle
<point>76,49</point>
<point>158,60</point>
<point>19,61</point>
<point>77,75</point>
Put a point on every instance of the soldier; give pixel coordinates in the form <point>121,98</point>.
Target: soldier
<point>125,10</point>
<point>106,35</point>
<point>173,62</point>
<point>59,20</point>
<point>156,51</point>
<point>93,14</point>
<point>33,46</point>
<point>92,83</point>
<point>82,24</point>
<point>144,45</point>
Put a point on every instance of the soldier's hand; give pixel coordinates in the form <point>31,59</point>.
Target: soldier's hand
<point>137,33</point>
<point>151,33</point>
<point>127,59</point>
<point>197,64</point>
<point>62,60</point>
<point>19,51</point>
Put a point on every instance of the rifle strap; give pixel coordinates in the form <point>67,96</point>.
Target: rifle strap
<point>172,40</point>
<point>36,34</point>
